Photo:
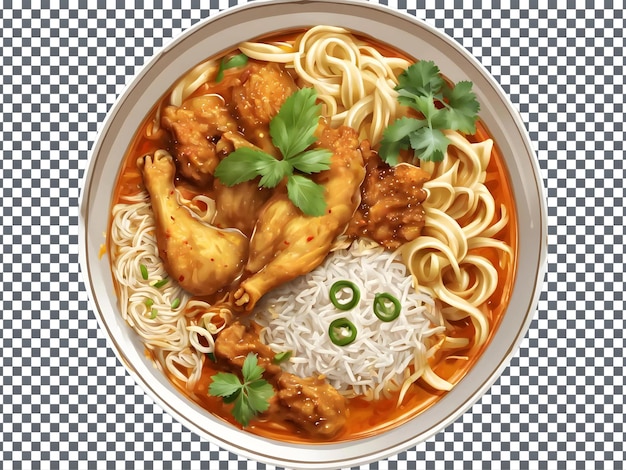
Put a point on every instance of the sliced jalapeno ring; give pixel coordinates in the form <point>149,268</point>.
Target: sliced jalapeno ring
<point>386,307</point>
<point>342,332</point>
<point>350,304</point>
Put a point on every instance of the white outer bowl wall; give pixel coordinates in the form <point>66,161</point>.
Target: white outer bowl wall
<point>222,32</point>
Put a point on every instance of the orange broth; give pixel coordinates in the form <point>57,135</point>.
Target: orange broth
<point>365,418</point>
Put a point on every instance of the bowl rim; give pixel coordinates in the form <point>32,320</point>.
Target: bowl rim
<point>369,454</point>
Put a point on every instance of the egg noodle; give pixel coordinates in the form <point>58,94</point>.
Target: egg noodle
<point>445,266</point>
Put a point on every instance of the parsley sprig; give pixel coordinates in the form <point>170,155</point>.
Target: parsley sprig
<point>292,131</point>
<point>250,397</point>
<point>440,106</point>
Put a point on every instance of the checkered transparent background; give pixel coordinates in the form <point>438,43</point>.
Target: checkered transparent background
<point>68,403</point>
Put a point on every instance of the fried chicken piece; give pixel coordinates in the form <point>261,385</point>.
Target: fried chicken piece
<point>197,126</point>
<point>391,211</point>
<point>264,89</point>
<point>311,403</point>
<point>236,341</point>
<point>202,258</point>
<point>286,243</point>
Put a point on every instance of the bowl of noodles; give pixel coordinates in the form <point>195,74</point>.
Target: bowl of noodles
<point>314,232</point>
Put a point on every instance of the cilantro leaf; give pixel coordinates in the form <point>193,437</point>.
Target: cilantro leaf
<point>312,161</point>
<point>292,129</point>
<point>250,370</point>
<point>462,107</point>
<point>242,411</point>
<point>401,128</point>
<point>420,79</point>
<point>390,151</point>
<point>250,397</point>
<point>429,144</point>
<point>241,165</point>
<point>231,398</point>
<point>273,171</point>
<point>224,385</point>
<point>440,106</point>
<point>259,395</point>
<point>307,195</point>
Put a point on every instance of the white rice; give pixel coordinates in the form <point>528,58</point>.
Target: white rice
<point>297,316</point>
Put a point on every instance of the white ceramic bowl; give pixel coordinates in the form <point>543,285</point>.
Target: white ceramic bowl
<point>418,39</point>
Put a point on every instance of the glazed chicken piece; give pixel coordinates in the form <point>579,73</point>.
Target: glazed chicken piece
<point>391,211</point>
<point>264,89</point>
<point>202,258</point>
<point>286,243</point>
<point>234,343</point>
<point>311,403</point>
<point>197,127</point>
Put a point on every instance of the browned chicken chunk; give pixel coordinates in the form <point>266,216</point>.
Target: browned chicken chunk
<point>286,243</point>
<point>235,342</point>
<point>202,258</point>
<point>197,126</point>
<point>264,89</point>
<point>391,211</point>
<point>311,403</point>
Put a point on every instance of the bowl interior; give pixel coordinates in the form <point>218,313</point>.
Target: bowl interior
<point>417,39</point>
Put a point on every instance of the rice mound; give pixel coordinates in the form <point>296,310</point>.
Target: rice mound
<point>296,317</point>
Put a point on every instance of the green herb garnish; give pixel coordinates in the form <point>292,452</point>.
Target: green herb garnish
<point>422,88</point>
<point>160,283</point>
<point>144,271</point>
<point>250,397</point>
<point>282,357</point>
<point>292,131</point>
<point>175,303</point>
<point>238,60</point>
<point>153,313</point>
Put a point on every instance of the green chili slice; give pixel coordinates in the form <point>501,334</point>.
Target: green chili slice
<point>281,357</point>
<point>175,303</point>
<point>350,304</point>
<point>144,271</point>
<point>160,283</point>
<point>386,307</point>
<point>342,332</point>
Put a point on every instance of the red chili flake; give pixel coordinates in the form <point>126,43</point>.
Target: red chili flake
<point>212,259</point>
<point>330,211</point>
<point>286,242</point>
<point>181,278</point>
<point>308,239</point>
